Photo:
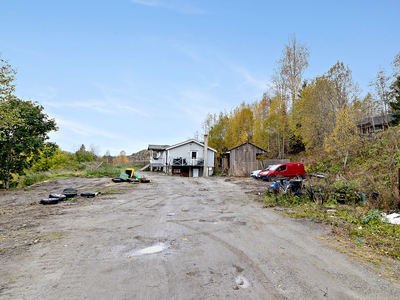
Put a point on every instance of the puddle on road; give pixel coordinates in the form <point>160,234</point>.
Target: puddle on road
<point>150,250</point>
<point>242,282</point>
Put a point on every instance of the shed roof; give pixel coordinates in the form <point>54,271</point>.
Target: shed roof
<point>247,143</point>
<point>187,142</point>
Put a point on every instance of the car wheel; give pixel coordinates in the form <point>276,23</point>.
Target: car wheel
<point>272,178</point>
<point>60,197</point>
<point>47,201</point>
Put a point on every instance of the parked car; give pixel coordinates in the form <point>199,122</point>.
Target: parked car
<point>254,174</point>
<point>285,170</point>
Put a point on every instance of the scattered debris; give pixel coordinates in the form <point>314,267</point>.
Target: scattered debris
<point>170,214</point>
<point>393,218</point>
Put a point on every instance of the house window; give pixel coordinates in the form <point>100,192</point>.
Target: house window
<point>193,155</point>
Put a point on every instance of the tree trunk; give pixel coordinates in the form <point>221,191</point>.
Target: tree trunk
<point>345,161</point>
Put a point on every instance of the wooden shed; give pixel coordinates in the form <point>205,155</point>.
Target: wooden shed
<point>242,160</point>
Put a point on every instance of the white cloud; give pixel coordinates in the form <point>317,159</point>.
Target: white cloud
<point>48,94</point>
<point>95,105</point>
<point>133,109</point>
<point>83,129</point>
<point>260,84</point>
<point>183,6</point>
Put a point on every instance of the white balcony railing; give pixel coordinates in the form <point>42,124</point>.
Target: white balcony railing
<point>186,161</point>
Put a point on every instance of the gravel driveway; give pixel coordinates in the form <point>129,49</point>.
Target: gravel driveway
<point>173,238</point>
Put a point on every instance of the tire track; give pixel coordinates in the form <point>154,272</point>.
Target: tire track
<point>267,285</point>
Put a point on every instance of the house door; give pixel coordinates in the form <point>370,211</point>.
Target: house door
<point>193,158</point>
<point>195,172</point>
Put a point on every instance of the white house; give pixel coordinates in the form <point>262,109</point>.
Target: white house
<point>186,158</point>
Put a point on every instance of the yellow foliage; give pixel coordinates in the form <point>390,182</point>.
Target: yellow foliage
<point>121,159</point>
<point>344,136</point>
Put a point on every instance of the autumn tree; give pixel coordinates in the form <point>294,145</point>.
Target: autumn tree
<point>276,124</point>
<point>292,66</point>
<point>121,158</point>
<point>345,90</point>
<point>344,136</point>
<point>313,116</point>
<point>108,156</point>
<point>395,103</point>
<point>381,86</point>
<point>396,66</point>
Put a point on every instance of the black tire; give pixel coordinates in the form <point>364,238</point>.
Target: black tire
<point>88,195</point>
<point>60,197</point>
<point>271,178</point>
<point>48,201</point>
<point>132,180</point>
<point>70,195</point>
<point>318,198</point>
<point>70,190</point>
<point>116,180</point>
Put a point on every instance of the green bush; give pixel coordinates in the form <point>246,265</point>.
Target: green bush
<point>105,170</point>
<point>35,178</point>
<point>372,215</point>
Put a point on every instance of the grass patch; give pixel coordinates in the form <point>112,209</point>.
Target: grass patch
<point>51,236</point>
<point>109,191</point>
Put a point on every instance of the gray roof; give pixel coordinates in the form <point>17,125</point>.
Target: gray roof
<point>247,143</point>
<point>378,120</point>
<point>157,147</point>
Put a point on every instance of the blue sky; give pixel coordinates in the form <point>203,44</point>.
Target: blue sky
<point>123,74</point>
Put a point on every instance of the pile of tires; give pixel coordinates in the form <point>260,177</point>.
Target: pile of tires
<point>70,192</point>
<point>54,198</point>
<point>48,201</point>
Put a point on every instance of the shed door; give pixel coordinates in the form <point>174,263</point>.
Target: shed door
<point>195,172</point>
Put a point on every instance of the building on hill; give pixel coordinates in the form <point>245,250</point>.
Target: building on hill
<point>375,124</point>
<point>242,160</point>
<point>184,159</point>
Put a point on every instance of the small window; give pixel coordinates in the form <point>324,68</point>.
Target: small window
<point>194,155</point>
<point>281,168</point>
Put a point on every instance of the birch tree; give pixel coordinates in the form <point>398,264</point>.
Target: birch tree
<point>293,64</point>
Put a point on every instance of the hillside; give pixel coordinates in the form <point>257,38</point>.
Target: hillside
<point>141,157</point>
<point>372,166</point>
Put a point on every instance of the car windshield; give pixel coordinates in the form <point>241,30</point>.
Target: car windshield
<point>273,168</point>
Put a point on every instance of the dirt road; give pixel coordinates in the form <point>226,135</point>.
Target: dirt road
<point>174,238</point>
